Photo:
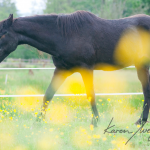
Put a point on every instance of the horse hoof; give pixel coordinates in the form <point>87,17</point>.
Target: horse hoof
<point>93,126</point>
<point>40,118</point>
<point>94,123</point>
<point>140,122</point>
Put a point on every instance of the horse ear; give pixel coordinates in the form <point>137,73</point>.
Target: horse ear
<point>8,22</point>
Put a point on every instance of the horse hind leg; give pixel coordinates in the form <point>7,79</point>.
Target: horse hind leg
<point>143,75</point>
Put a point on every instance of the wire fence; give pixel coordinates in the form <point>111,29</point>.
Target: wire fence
<point>58,95</point>
<point>39,68</point>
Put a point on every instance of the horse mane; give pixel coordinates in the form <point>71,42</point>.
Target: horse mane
<point>68,23</point>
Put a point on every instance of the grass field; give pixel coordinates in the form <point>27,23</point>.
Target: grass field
<point>67,124</point>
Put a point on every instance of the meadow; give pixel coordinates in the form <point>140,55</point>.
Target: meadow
<point>67,123</point>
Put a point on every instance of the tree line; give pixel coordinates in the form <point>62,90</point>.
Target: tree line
<point>108,9</point>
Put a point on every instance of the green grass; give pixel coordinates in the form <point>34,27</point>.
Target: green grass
<point>67,123</point>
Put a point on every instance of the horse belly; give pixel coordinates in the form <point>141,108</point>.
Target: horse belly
<point>76,59</point>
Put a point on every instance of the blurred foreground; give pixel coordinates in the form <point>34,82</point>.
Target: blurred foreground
<point>67,123</point>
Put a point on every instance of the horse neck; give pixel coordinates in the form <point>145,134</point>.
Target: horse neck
<point>36,33</point>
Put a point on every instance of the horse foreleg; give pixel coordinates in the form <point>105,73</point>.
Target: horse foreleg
<point>88,82</point>
<point>143,75</point>
<point>57,80</point>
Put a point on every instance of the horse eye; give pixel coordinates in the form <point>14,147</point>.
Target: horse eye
<point>3,35</point>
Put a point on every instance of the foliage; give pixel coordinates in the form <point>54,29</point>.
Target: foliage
<point>67,122</point>
<point>109,9</point>
<point>7,7</point>
<point>58,6</point>
<point>146,3</point>
<point>27,52</point>
<point>135,7</point>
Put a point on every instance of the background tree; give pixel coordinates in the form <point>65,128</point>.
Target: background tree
<point>58,6</point>
<point>108,9</point>
<point>7,7</point>
<point>24,51</point>
<point>146,3</point>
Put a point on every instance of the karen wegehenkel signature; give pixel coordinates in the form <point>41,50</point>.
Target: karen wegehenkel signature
<point>110,130</point>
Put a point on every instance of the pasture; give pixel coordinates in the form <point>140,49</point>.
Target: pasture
<point>67,123</point>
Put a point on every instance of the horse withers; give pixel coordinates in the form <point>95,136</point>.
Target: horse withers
<point>79,40</point>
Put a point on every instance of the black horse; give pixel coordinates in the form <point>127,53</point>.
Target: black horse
<point>79,40</point>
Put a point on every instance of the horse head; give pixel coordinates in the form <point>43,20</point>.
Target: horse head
<point>8,38</point>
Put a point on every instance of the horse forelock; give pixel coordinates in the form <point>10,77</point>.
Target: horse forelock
<point>69,23</point>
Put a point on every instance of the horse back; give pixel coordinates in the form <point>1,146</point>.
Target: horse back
<point>96,43</point>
